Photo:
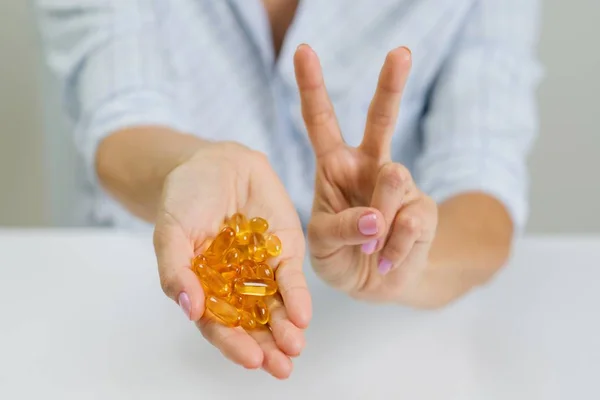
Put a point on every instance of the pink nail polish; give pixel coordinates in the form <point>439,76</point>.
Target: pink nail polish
<point>384,266</point>
<point>367,224</point>
<point>185,304</point>
<point>369,247</point>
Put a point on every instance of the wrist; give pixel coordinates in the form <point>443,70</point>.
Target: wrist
<point>471,244</point>
<point>132,164</point>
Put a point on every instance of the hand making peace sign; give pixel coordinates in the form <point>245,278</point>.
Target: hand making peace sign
<point>371,227</point>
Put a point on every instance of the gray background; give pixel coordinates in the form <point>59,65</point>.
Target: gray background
<point>36,157</point>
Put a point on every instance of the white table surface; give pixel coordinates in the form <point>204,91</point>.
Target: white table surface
<point>83,316</point>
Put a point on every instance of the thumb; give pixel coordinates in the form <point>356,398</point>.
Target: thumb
<point>174,254</point>
<point>352,226</point>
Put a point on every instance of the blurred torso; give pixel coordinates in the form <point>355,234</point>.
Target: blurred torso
<point>232,70</point>
<point>280,13</point>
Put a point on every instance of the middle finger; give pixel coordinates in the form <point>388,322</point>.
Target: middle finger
<point>275,362</point>
<point>393,188</point>
<point>289,338</point>
<point>384,108</point>
<point>234,343</point>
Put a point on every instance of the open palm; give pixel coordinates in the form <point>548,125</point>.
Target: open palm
<point>371,227</point>
<point>216,182</point>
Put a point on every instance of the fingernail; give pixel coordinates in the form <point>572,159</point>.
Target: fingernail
<point>369,247</point>
<point>384,266</point>
<point>184,303</point>
<point>367,224</point>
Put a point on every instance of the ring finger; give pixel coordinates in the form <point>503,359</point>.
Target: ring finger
<point>405,232</point>
<point>234,343</point>
<point>275,362</point>
<point>393,188</point>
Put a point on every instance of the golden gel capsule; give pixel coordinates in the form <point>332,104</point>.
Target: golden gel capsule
<point>212,280</point>
<point>261,312</point>
<point>227,271</point>
<point>199,260</point>
<point>237,300</point>
<point>259,225</point>
<point>264,271</point>
<point>242,302</point>
<point>243,252</point>
<point>256,247</point>
<point>220,245</point>
<point>243,238</point>
<point>239,223</point>
<point>232,256</point>
<point>255,287</point>
<point>224,311</point>
<point>273,245</point>
<point>246,269</point>
<point>247,320</point>
<point>256,241</point>
<point>259,255</point>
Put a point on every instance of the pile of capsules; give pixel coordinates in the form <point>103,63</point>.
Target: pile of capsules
<point>234,272</point>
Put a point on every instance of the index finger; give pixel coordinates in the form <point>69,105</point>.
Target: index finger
<point>317,109</point>
<point>384,108</point>
<point>294,291</point>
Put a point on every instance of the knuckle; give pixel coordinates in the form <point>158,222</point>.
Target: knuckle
<point>233,152</point>
<point>229,148</point>
<point>394,250</point>
<point>312,231</point>
<point>320,117</point>
<point>259,158</point>
<point>431,205</point>
<point>381,118</point>
<point>292,286</point>
<point>341,227</point>
<point>409,224</point>
<point>168,285</point>
<point>395,176</point>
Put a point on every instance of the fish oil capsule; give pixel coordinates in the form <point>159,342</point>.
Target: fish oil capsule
<point>261,312</point>
<point>256,246</point>
<point>212,280</point>
<point>264,271</point>
<point>255,287</point>
<point>247,320</point>
<point>242,238</point>
<point>224,311</point>
<point>256,241</point>
<point>200,259</point>
<point>220,245</point>
<point>237,300</point>
<point>246,269</point>
<point>249,301</point>
<point>260,255</point>
<point>242,302</point>
<point>227,271</point>
<point>232,256</point>
<point>259,225</point>
<point>243,252</point>
<point>240,225</point>
<point>273,245</point>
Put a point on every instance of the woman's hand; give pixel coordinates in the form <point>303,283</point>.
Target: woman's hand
<point>371,227</point>
<point>217,181</point>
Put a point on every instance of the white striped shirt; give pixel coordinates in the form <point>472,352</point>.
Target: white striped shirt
<point>468,116</point>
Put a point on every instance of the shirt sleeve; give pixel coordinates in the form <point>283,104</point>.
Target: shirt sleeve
<point>108,57</point>
<point>481,119</point>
